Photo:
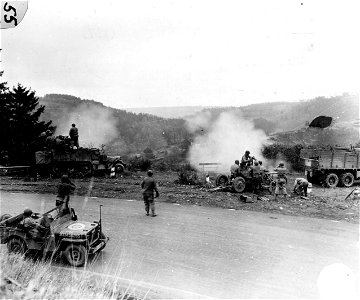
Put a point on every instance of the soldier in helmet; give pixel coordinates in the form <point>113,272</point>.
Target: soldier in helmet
<point>64,189</point>
<point>149,187</point>
<point>246,160</point>
<point>31,225</point>
<point>281,180</point>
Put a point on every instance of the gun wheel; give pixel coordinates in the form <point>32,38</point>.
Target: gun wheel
<point>239,184</point>
<point>76,255</point>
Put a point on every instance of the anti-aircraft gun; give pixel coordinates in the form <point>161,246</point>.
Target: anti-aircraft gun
<point>61,157</point>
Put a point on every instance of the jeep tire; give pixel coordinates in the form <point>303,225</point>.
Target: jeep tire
<point>76,255</point>
<point>16,245</point>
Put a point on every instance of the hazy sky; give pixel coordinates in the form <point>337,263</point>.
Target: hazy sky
<point>175,53</point>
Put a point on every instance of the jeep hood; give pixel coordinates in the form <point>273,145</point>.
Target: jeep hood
<point>75,228</point>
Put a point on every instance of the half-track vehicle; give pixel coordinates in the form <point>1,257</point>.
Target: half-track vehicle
<point>332,166</point>
<point>61,158</point>
<point>74,240</point>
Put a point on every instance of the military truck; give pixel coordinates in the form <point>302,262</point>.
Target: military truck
<point>74,239</point>
<point>81,162</point>
<point>332,166</point>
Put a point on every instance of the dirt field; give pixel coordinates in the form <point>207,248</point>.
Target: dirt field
<point>323,202</point>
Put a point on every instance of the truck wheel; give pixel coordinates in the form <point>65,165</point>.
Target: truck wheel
<point>221,180</point>
<point>5,217</point>
<point>75,255</point>
<point>239,184</point>
<point>16,245</point>
<point>347,179</point>
<point>331,180</point>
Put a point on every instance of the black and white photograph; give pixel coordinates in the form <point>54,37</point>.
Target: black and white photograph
<point>179,149</point>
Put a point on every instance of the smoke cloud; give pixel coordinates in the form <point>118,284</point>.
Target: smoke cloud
<point>96,125</point>
<point>224,140</point>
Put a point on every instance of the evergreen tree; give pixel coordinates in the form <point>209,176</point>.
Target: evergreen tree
<point>20,125</point>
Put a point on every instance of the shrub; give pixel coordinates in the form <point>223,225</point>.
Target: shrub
<point>290,153</point>
<point>139,163</point>
<point>188,175</point>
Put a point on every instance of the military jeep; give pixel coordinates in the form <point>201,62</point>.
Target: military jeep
<point>64,235</point>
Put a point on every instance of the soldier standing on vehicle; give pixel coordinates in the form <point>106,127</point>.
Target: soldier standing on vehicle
<point>301,185</point>
<point>149,187</point>
<point>64,190</point>
<point>74,135</point>
<point>234,169</point>
<point>246,160</point>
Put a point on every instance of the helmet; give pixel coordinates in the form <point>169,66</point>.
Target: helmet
<point>27,212</point>
<point>64,178</point>
<point>256,163</point>
<point>237,162</point>
<point>260,162</point>
<point>247,152</point>
<point>150,172</point>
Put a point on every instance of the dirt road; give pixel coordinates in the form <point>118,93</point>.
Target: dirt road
<point>213,252</point>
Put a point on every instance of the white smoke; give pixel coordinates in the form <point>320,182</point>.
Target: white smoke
<point>96,125</point>
<point>224,140</point>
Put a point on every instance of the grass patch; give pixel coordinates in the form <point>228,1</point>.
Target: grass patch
<point>26,278</point>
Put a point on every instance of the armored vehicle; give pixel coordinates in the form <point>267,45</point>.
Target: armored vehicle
<point>332,166</point>
<point>65,235</point>
<point>61,158</point>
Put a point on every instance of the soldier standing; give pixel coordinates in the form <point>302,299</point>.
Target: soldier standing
<point>149,187</point>
<point>234,169</point>
<point>256,177</point>
<point>281,180</point>
<point>64,190</point>
<point>74,135</point>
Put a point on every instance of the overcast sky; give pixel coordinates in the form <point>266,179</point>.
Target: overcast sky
<point>176,53</point>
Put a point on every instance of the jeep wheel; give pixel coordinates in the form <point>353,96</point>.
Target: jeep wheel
<point>76,255</point>
<point>239,184</point>
<point>16,245</point>
<point>347,179</point>
<point>331,180</point>
<point>221,180</point>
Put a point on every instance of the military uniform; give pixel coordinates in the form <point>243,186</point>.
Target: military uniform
<point>74,135</point>
<point>281,181</point>
<point>149,187</point>
<point>301,185</point>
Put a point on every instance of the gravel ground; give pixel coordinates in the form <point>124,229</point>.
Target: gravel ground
<point>322,203</point>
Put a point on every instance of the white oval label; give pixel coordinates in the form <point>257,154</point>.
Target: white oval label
<point>76,226</point>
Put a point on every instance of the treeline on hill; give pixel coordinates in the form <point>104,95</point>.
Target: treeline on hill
<point>19,124</point>
<point>138,137</point>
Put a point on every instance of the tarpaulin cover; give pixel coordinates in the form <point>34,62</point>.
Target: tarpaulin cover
<point>321,122</point>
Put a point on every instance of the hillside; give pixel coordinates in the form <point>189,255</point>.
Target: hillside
<point>167,112</point>
<point>122,132</point>
<point>125,132</point>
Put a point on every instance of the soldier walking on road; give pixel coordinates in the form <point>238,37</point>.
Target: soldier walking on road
<point>149,187</point>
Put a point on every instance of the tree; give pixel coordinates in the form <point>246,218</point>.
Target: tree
<point>20,125</point>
